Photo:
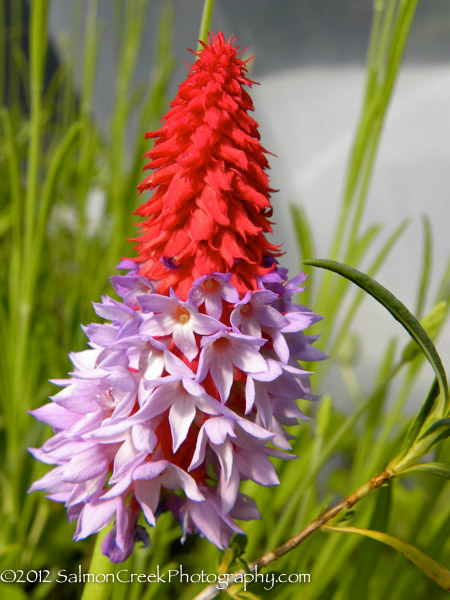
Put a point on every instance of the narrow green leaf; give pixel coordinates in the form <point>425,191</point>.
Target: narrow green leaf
<point>397,309</point>
<point>370,550</point>
<point>48,191</point>
<point>443,292</point>
<point>431,323</point>
<point>433,468</point>
<point>305,241</point>
<point>373,269</point>
<point>5,550</point>
<point>436,426</point>
<point>437,440</point>
<point>428,565</point>
<point>303,231</point>
<point>362,244</point>
<point>10,591</point>
<point>426,266</point>
<point>5,224</point>
<point>419,419</point>
<point>323,416</point>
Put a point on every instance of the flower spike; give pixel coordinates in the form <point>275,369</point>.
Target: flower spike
<point>211,202</point>
<point>196,372</point>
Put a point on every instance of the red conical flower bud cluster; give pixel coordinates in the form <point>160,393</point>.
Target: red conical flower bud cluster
<point>210,207</point>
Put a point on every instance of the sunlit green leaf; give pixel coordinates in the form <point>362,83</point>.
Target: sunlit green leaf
<point>428,565</point>
<point>324,415</point>
<point>439,425</point>
<point>433,468</point>
<point>431,324</point>
<point>420,418</point>
<point>379,520</point>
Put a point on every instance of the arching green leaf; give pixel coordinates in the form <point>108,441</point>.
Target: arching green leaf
<point>397,309</point>
<point>428,565</point>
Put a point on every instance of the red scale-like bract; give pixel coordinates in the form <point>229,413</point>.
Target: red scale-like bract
<point>210,207</point>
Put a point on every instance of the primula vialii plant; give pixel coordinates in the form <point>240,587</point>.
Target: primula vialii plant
<point>185,392</point>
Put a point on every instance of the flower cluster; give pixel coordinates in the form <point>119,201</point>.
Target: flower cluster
<point>210,207</point>
<point>177,395</point>
<point>186,391</point>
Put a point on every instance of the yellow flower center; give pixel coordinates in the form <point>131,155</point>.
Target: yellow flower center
<point>210,284</point>
<point>182,315</point>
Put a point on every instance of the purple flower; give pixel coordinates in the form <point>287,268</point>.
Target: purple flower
<point>145,423</point>
<point>216,433</point>
<point>224,350</point>
<point>179,319</point>
<point>211,289</point>
<point>254,311</point>
<point>182,396</point>
<point>131,285</point>
<point>151,476</point>
<point>133,533</point>
<point>209,518</point>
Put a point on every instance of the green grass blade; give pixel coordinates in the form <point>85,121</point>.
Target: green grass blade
<point>426,266</point>
<point>49,187</point>
<point>436,426</point>
<point>305,242</point>
<point>397,309</point>
<point>429,566</point>
<point>369,549</point>
<point>431,323</point>
<point>432,468</point>
<point>100,565</point>
<point>420,418</point>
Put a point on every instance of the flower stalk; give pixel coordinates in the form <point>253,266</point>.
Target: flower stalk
<point>270,557</point>
<point>99,565</point>
<point>205,24</point>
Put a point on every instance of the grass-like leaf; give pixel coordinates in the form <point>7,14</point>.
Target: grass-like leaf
<point>397,309</point>
<point>428,565</point>
<point>426,266</point>
<point>419,419</point>
<point>433,468</point>
<point>305,240</point>
<point>441,424</point>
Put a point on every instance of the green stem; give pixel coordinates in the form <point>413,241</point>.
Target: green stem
<point>21,375</point>
<point>2,54</point>
<point>273,555</point>
<point>325,452</point>
<point>100,565</point>
<point>208,8</point>
<point>38,50</point>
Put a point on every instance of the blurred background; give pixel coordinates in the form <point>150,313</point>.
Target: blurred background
<point>77,96</point>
